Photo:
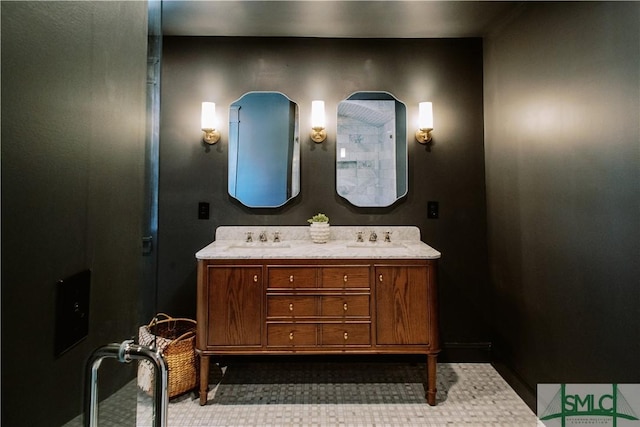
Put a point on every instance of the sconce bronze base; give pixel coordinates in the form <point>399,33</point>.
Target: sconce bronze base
<point>318,135</point>
<point>211,136</point>
<point>423,136</point>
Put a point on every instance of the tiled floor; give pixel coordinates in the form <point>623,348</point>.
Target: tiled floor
<point>311,393</point>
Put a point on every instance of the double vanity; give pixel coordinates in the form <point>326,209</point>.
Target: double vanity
<point>271,290</point>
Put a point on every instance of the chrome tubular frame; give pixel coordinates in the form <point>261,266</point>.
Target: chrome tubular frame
<point>125,352</point>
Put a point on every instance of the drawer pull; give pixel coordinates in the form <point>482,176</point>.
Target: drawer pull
<point>291,279</point>
<point>291,336</point>
<point>380,278</point>
<point>290,306</point>
<point>345,278</point>
<point>255,278</point>
<point>346,336</point>
<point>345,307</point>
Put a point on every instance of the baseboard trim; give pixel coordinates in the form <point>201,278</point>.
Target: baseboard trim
<point>517,383</point>
<point>457,352</point>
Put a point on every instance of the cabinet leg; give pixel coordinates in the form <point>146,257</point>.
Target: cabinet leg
<point>204,379</point>
<point>431,378</point>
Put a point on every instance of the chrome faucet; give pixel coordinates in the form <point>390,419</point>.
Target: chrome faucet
<point>373,237</point>
<point>263,236</point>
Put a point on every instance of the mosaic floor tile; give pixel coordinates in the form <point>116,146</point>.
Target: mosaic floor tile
<point>333,394</point>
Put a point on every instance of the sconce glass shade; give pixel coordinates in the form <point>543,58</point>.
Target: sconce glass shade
<point>208,115</point>
<point>318,133</point>
<point>425,122</point>
<point>208,123</point>
<point>317,114</point>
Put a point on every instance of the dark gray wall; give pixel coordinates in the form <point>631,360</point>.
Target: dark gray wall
<point>73,103</point>
<point>562,106</point>
<point>446,72</point>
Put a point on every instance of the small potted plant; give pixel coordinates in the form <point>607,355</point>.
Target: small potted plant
<point>319,228</point>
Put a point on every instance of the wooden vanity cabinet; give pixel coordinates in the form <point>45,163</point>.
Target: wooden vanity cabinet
<point>317,307</point>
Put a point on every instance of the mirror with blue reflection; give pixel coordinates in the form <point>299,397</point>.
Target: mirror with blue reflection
<point>371,149</point>
<point>264,150</point>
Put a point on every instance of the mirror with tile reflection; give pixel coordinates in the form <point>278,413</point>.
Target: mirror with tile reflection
<point>371,149</point>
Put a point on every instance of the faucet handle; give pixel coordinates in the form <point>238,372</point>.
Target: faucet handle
<point>249,237</point>
<point>276,236</point>
<point>359,236</point>
<point>387,236</point>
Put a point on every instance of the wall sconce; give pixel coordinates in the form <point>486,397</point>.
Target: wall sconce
<point>318,132</point>
<point>211,135</point>
<point>425,123</point>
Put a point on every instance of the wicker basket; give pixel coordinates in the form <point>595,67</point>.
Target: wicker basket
<point>175,339</point>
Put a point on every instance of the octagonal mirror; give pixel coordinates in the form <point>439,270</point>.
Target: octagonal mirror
<point>264,150</point>
<point>371,149</point>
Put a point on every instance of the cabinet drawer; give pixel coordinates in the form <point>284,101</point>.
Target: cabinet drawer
<point>346,334</point>
<point>344,277</point>
<point>344,305</point>
<point>292,277</point>
<point>291,305</point>
<point>290,335</point>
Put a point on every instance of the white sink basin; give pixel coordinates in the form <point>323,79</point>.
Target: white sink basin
<point>259,245</point>
<point>376,245</point>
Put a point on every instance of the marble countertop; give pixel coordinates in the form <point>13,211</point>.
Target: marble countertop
<point>295,243</point>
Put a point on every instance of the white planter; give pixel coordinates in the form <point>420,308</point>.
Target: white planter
<point>319,232</point>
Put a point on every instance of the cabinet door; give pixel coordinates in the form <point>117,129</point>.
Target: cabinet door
<point>345,334</point>
<point>344,277</point>
<point>402,305</point>
<point>344,305</point>
<point>291,306</point>
<point>234,309</point>
<point>292,335</point>
<point>292,277</point>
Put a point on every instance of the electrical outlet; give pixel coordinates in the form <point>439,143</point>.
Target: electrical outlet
<point>72,311</point>
<point>432,210</point>
<point>203,210</point>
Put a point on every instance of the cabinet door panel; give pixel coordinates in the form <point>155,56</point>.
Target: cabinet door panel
<point>291,306</point>
<point>291,335</point>
<point>345,334</point>
<point>345,277</point>
<point>345,305</point>
<point>292,277</point>
<point>402,305</point>
<point>234,309</point>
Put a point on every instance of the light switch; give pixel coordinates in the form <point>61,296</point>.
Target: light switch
<point>203,210</point>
